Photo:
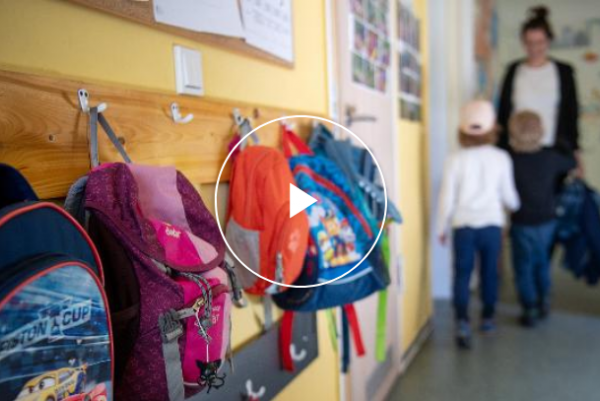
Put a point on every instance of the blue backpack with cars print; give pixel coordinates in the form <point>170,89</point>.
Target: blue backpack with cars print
<point>360,169</point>
<point>341,234</point>
<point>55,336</point>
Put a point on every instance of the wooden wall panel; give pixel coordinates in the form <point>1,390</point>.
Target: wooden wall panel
<point>44,133</point>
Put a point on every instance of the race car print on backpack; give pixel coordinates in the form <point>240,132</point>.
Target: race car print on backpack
<point>55,336</point>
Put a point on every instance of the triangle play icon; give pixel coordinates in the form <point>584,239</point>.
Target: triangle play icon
<point>299,200</point>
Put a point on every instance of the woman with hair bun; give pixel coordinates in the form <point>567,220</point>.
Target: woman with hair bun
<point>543,90</point>
<point>543,85</point>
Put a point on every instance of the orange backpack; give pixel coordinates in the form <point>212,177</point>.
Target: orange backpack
<point>259,228</point>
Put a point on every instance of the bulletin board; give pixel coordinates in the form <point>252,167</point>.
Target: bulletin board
<point>410,70</point>
<point>142,12</point>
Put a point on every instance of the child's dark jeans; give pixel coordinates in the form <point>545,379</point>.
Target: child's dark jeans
<point>531,261</point>
<point>468,243</point>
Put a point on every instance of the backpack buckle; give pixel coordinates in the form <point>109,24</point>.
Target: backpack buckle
<point>170,326</point>
<point>237,294</point>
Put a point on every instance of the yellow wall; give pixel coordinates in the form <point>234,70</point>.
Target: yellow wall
<point>416,300</point>
<point>55,37</point>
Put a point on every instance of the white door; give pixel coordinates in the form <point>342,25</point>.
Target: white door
<point>363,51</point>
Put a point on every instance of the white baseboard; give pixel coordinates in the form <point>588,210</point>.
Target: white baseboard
<point>416,346</point>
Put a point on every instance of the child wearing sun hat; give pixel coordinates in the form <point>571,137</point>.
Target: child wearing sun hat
<point>478,186</point>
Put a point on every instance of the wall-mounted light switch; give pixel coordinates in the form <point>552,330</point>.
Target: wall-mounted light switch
<point>188,71</point>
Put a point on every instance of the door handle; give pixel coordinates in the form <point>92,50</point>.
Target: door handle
<point>352,117</point>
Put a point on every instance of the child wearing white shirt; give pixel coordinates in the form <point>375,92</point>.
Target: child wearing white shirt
<point>478,185</point>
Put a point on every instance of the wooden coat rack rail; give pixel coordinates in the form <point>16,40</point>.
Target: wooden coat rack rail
<point>44,133</point>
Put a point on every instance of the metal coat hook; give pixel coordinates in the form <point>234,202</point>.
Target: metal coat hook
<point>244,127</point>
<point>254,395</point>
<point>297,356</point>
<point>84,102</point>
<point>177,117</point>
<point>237,117</point>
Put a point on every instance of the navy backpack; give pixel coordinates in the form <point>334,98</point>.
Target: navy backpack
<point>55,336</point>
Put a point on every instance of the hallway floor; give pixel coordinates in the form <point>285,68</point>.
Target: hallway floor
<point>557,361</point>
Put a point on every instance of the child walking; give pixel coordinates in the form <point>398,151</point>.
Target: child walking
<point>478,185</point>
<point>537,172</point>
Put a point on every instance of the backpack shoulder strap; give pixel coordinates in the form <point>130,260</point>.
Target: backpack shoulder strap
<point>350,328</point>
<point>285,340</point>
<point>75,201</point>
<point>290,140</point>
<point>95,118</point>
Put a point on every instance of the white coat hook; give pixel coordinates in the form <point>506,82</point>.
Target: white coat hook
<point>287,124</point>
<point>177,117</point>
<point>84,102</point>
<point>254,395</point>
<point>297,356</point>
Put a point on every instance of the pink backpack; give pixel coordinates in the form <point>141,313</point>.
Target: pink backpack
<point>158,241</point>
<point>169,296</point>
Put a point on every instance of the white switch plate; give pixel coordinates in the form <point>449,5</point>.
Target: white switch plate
<point>188,71</point>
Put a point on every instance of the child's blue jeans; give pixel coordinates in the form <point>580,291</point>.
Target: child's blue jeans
<point>531,261</point>
<point>469,243</point>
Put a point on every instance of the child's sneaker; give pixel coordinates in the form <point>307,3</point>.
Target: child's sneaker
<point>544,310</point>
<point>463,334</point>
<point>528,318</point>
<point>488,326</point>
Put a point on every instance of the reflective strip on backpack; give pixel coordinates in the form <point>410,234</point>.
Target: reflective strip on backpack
<point>171,329</point>
<point>382,305</point>
<point>380,334</point>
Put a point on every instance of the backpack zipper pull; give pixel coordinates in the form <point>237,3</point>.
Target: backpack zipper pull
<point>274,288</point>
<point>205,322</point>
<point>202,331</point>
<point>279,268</point>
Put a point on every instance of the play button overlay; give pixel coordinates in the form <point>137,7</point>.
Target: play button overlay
<point>299,200</point>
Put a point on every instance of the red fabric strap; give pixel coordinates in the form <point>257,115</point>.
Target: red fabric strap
<point>289,140</point>
<point>285,340</point>
<point>355,328</point>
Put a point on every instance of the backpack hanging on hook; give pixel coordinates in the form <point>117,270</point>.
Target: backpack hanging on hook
<point>259,229</point>
<point>341,233</point>
<point>53,307</point>
<point>169,293</point>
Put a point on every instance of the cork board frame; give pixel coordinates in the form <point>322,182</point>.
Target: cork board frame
<point>142,12</point>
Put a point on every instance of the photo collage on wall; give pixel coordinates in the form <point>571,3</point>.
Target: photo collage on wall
<point>409,62</point>
<point>370,44</point>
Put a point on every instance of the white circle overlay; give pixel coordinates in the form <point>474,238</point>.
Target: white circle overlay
<point>289,118</point>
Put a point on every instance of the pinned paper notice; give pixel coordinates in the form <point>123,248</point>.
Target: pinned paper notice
<point>268,26</point>
<point>221,17</point>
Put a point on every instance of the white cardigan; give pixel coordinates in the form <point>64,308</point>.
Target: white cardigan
<point>478,185</point>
